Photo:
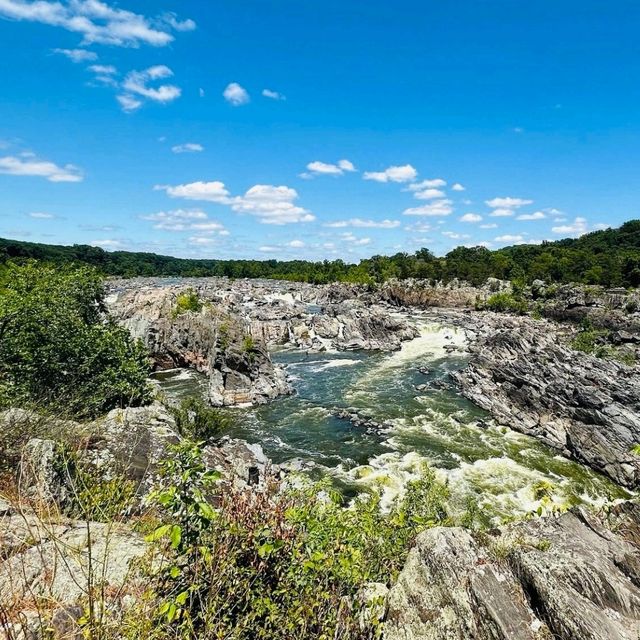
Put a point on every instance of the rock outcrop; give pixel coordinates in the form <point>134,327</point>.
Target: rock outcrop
<point>212,340</point>
<point>587,408</point>
<point>572,577</point>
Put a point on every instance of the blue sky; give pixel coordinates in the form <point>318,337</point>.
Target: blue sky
<point>274,128</point>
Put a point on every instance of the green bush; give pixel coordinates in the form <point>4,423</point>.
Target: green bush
<point>58,351</point>
<point>187,301</point>
<point>274,564</point>
<point>505,303</point>
<point>198,420</point>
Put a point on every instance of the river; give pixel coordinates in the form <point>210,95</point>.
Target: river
<point>506,474</point>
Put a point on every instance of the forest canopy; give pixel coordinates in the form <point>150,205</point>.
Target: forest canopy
<point>610,257</point>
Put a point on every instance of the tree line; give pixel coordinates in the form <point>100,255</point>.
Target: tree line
<point>610,257</point>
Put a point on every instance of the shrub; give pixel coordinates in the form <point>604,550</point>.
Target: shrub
<point>275,564</point>
<point>58,351</point>
<point>505,302</point>
<point>187,301</point>
<point>198,420</point>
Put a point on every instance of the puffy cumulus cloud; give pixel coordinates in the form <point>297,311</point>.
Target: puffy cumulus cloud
<point>235,94</point>
<point>29,165</point>
<point>296,244</point>
<point>510,238</point>
<point>187,147</point>
<point>485,243</point>
<point>214,191</point>
<point>273,95</point>
<point>268,203</point>
<point>436,208</point>
<point>433,183</point>
<point>269,248</point>
<point>455,236</point>
<point>364,224</point>
<point>75,55</point>
<point>186,220</point>
<point>457,187</point>
<point>429,194</point>
<point>419,227</point>
<point>404,173</point>
<point>272,205</point>
<point>98,22</point>
<point>507,203</point>
<point>201,240</point>
<point>538,215</point>
<point>501,213</point>
<point>470,217</point>
<point>577,228</point>
<point>136,86</point>
<point>350,238</point>
<point>316,168</point>
<point>489,225</point>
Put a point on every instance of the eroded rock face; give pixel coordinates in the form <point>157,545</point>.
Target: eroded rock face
<point>588,408</point>
<point>215,341</point>
<point>576,576</point>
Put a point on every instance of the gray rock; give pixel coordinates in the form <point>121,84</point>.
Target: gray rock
<point>570,577</point>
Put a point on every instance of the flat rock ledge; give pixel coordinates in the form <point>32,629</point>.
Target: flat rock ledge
<point>574,577</point>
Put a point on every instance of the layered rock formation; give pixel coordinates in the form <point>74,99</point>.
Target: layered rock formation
<point>572,577</point>
<point>212,340</point>
<point>588,408</point>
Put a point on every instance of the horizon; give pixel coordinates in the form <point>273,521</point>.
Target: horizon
<point>308,133</point>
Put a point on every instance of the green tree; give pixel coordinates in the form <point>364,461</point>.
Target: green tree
<point>58,350</point>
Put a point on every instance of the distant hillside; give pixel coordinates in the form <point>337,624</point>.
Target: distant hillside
<point>610,257</point>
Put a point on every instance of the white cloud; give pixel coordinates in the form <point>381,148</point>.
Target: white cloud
<point>201,240</point>
<point>136,84</point>
<point>510,238</point>
<point>354,240</point>
<point>538,215</point>
<point>75,55</point>
<point>419,227</point>
<point>364,224</point>
<point>501,213</point>
<point>106,244</point>
<point>296,244</point>
<point>186,220</point>
<point>457,187</point>
<point>201,92</point>
<point>39,215</point>
<point>404,173</point>
<point>235,94</point>
<point>323,168</point>
<point>470,217</point>
<point>206,191</point>
<point>455,236</point>
<point>435,208</point>
<point>103,69</point>
<point>491,225</point>
<point>429,194</point>
<point>98,22</point>
<point>577,228</point>
<point>129,103</point>
<point>507,203</point>
<point>272,205</point>
<point>434,183</point>
<point>28,165</point>
<point>274,95</point>
<point>187,147</point>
